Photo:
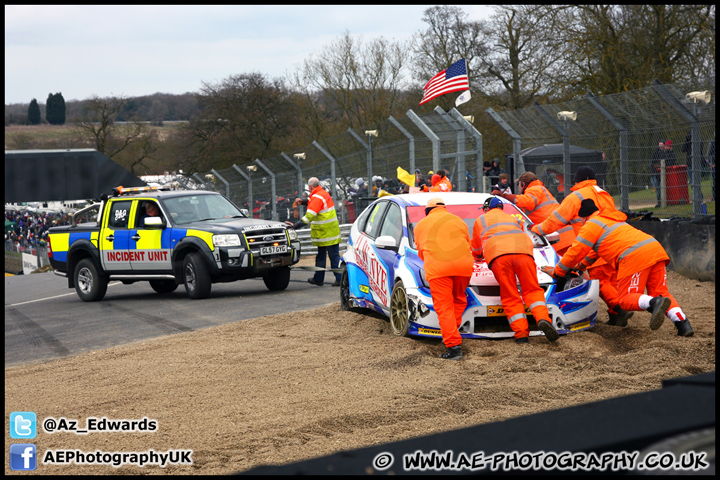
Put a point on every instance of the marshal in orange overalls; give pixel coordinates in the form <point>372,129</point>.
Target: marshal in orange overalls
<point>443,243</point>
<point>508,251</point>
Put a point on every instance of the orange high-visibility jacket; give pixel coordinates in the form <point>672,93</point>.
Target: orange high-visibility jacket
<point>622,246</point>
<point>497,233</point>
<point>447,182</point>
<point>538,204</point>
<point>443,243</point>
<point>567,213</point>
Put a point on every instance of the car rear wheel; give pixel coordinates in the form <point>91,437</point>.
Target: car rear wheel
<point>345,303</point>
<point>163,286</point>
<point>399,318</point>
<point>196,277</point>
<point>90,285</point>
<point>277,279</point>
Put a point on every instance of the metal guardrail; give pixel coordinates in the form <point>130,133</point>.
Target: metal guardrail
<point>309,249</point>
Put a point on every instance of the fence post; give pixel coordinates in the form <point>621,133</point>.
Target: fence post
<point>478,142</point>
<point>624,161</point>
<point>227,185</point>
<point>202,182</point>
<point>272,187</point>
<point>695,131</point>
<point>333,179</point>
<point>430,135</point>
<point>250,192</point>
<point>299,171</point>
<point>411,141</point>
<point>564,133</point>
<point>369,157</point>
<point>518,167</point>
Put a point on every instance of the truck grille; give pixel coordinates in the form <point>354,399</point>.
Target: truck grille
<point>266,238</point>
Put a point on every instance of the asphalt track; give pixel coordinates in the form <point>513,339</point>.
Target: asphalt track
<point>45,320</point>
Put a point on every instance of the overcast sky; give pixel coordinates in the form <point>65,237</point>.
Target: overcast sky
<point>138,50</point>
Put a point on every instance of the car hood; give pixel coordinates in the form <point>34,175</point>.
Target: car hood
<point>237,225</point>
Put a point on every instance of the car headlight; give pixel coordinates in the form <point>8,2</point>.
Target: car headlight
<point>292,234</point>
<point>423,279</point>
<point>227,240</point>
<point>573,282</point>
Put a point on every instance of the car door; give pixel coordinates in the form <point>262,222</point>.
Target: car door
<point>151,246</point>
<point>378,289</point>
<point>392,226</point>
<point>115,237</point>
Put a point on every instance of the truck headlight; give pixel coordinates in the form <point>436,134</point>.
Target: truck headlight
<point>292,234</point>
<point>227,240</point>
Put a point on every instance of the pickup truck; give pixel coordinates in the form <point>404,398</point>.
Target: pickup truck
<point>192,237</point>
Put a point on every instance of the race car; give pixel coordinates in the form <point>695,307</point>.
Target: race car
<point>382,272</point>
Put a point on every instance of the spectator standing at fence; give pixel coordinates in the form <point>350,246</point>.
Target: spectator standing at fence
<point>639,259</point>
<point>503,185</point>
<point>324,231</point>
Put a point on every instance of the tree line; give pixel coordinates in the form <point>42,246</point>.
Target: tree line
<point>520,55</point>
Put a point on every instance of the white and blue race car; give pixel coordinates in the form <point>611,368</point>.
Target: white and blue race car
<point>382,272</point>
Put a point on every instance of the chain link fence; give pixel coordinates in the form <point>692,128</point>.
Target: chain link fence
<point>618,135</point>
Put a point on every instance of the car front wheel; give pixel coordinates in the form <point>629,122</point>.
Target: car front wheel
<point>345,303</point>
<point>196,277</point>
<point>277,279</point>
<point>399,318</point>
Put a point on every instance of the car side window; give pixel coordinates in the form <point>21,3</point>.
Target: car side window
<point>119,214</point>
<point>392,224</point>
<point>373,222</point>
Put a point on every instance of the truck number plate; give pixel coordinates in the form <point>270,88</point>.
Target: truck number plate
<point>273,250</point>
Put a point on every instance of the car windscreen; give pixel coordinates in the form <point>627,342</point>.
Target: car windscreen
<point>469,213</point>
<point>195,208</point>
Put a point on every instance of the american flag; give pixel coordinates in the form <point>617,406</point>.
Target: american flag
<point>452,79</point>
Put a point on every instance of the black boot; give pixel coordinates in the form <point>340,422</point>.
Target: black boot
<point>620,317</point>
<point>684,329</point>
<point>522,340</point>
<point>453,353</point>
<point>658,307</point>
<point>547,328</point>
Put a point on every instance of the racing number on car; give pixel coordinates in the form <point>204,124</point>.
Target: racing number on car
<point>376,272</point>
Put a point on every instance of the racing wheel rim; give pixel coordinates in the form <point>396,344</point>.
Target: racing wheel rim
<point>345,291</point>
<point>399,320</point>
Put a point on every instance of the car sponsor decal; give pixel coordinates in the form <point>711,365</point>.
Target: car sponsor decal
<point>579,326</point>
<point>376,272</point>
<point>364,288</point>
<point>429,331</point>
<point>499,311</point>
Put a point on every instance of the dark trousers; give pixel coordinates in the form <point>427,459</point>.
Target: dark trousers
<point>333,251</point>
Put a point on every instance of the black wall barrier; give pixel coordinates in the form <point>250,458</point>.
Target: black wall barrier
<point>690,244</point>
<point>682,410</point>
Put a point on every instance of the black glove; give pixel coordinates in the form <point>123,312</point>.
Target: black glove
<point>299,224</point>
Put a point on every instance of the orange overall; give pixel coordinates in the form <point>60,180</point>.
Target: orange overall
<point>538,204</point>
<point>638,258</point>
<point>567,214</point>
<point>443,243</point>
<point>508,251</point>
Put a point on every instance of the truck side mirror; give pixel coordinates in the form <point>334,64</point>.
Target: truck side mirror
<point>154,223</point>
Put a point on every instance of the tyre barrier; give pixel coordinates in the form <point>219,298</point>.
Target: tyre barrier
<point>690,244</point>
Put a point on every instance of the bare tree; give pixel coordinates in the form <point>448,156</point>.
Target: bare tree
<point>129,143</point>
<point>352,82</point>
<point>449,37</point>
<point>623,47</point>
<point>243,117</point>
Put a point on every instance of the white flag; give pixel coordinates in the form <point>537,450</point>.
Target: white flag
<point>464,97</point>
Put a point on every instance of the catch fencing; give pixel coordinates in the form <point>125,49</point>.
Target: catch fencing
<point>618,135</point>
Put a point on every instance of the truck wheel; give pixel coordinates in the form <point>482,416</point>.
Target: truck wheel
<point>163,286</point>
<point>90,285</point>
<point>196,277</point>
<point>277,279</point>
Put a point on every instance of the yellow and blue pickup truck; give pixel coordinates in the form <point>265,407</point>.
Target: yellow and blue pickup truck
<point>192,237</point>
